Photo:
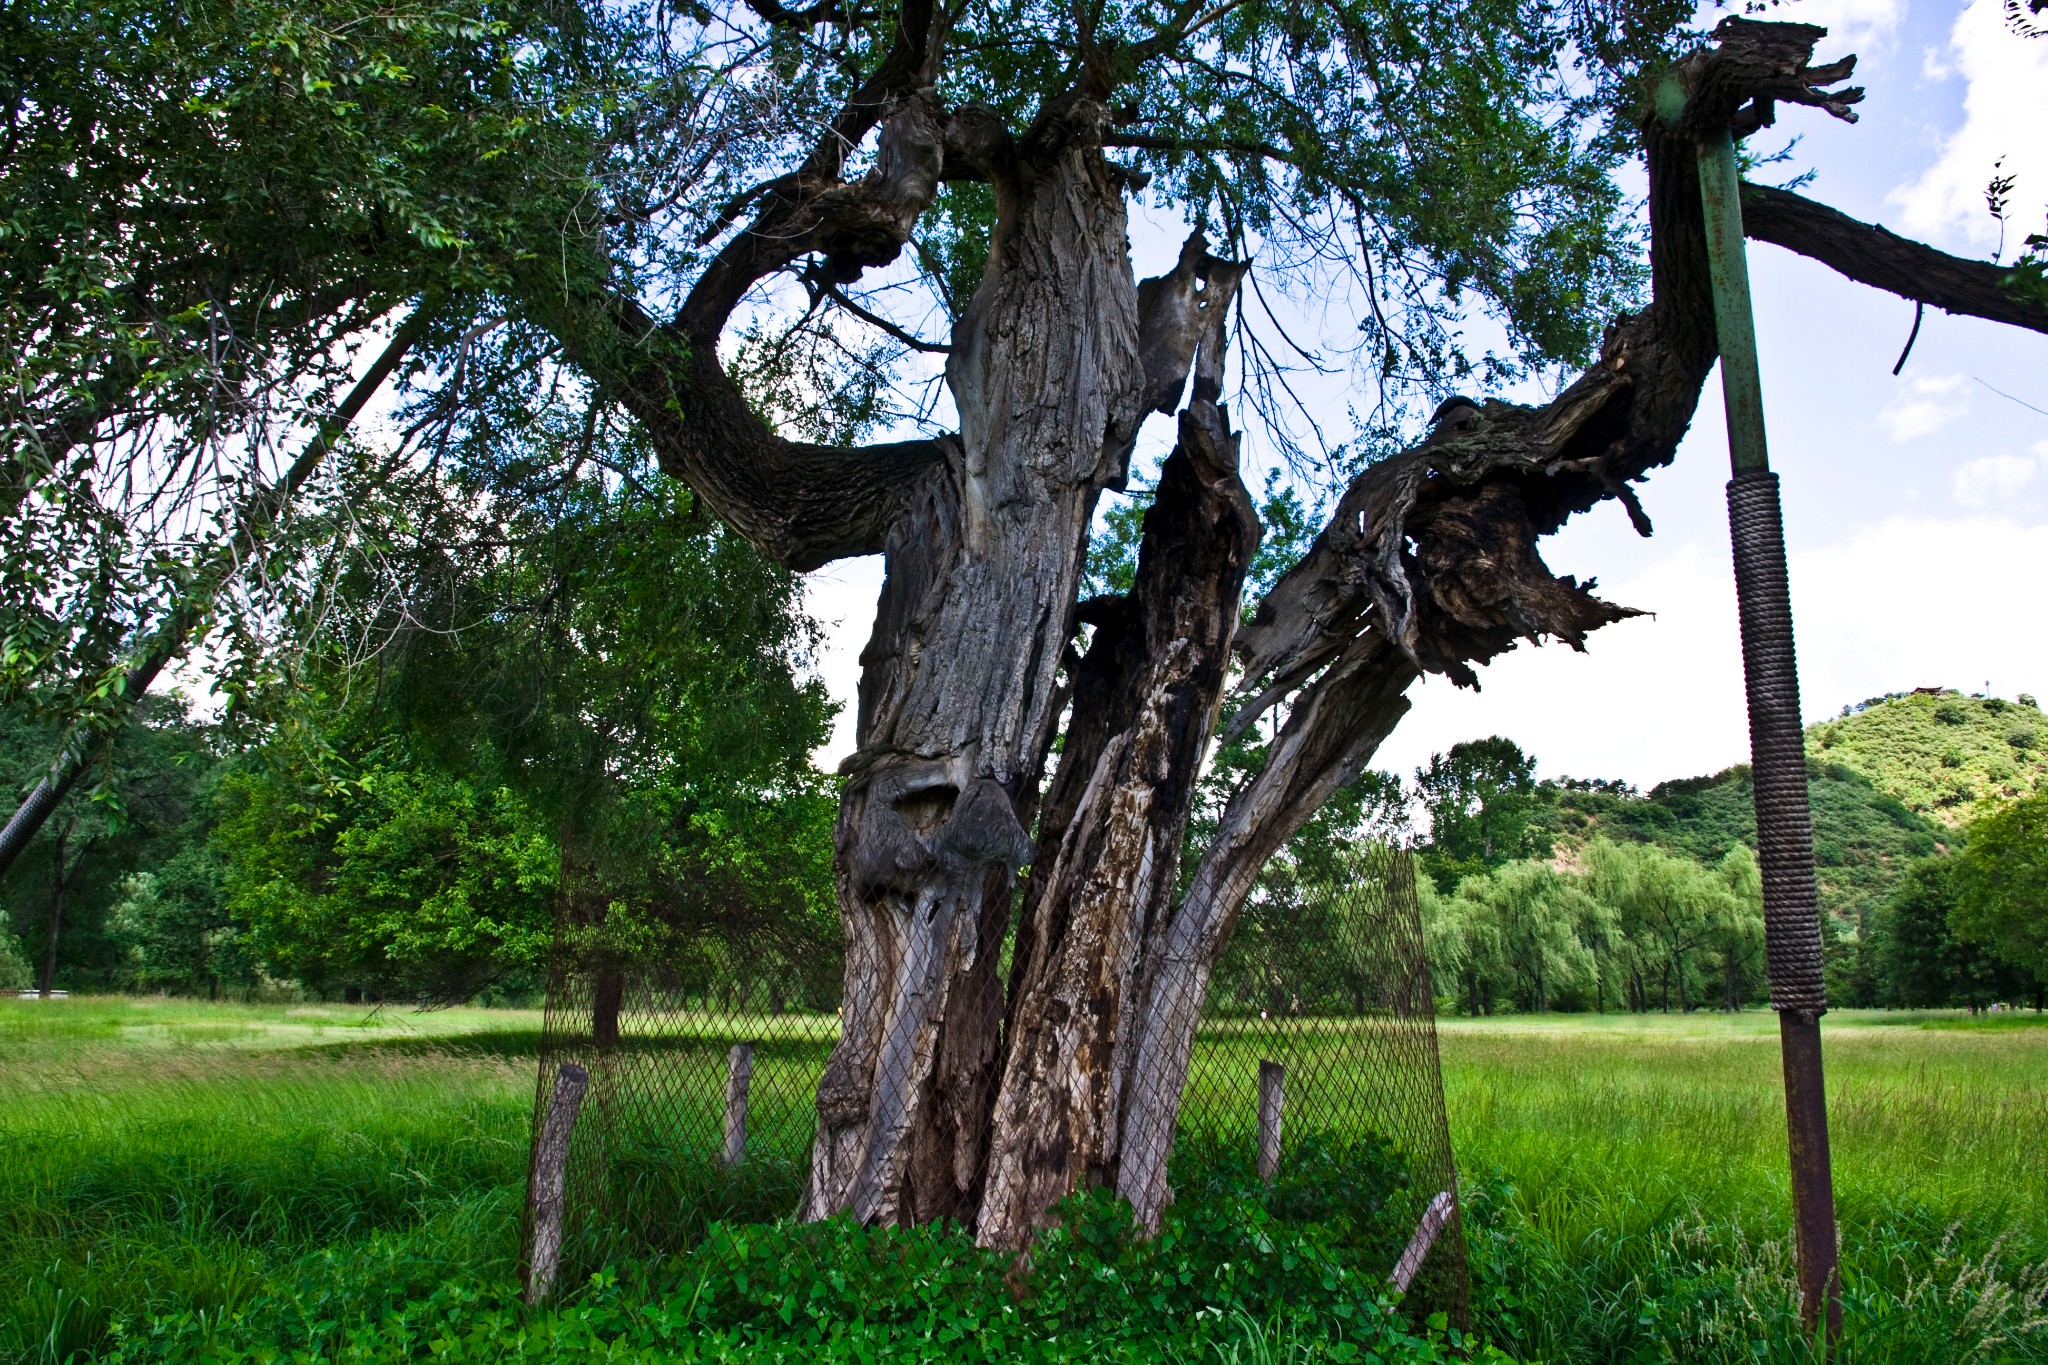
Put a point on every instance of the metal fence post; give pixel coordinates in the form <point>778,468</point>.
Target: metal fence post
<point>1792,940</point>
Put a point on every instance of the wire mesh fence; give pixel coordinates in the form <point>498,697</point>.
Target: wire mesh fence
<point>679,1080</point>
<point>1318,1051</point>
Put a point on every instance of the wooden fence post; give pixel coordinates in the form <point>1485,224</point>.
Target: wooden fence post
<point>550,1178</point>
<point>1433,1220</point>
<point>739,1074</point>
<point>1272,1099</point>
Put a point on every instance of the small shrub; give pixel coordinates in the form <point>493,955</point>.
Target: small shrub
<point>2023,737</point>
<point>1952,759</point>
<point>14,969</point>
<point>1951,713</point>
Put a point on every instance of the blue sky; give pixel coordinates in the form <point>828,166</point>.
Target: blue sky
<point>1916,506</point>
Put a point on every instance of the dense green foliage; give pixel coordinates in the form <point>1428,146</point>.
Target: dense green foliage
<point>608,701</point>
<point>1921,960</point>
<point>1482,801</point>
<point>1901,927</point>
<point>387,876</point>
<point>2002,884</point>
<point>212,210</point>
<point>191,1182</point>
<point>1863,837</point>
<point>603,704</point>
<point>1634,927</point>
<point>1945,755</point>
<point>146,817</point>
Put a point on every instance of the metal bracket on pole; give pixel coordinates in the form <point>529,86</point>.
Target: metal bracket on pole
<point>1784,820</point>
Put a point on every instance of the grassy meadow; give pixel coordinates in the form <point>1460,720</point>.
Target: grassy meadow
<point>1629,1177</point>
<point>178,1179</point>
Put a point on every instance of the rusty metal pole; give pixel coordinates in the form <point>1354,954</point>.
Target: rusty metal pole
<point>1777,745</point>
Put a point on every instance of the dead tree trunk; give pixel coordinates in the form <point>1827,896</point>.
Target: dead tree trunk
<point>1144,708</point>
<point>950,1095</point>
<point>957,695</point>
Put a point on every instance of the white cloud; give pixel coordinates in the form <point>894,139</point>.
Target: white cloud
<point>1651,698</point>
<point>1925,407</point>
<point>1918,601</point>
<point>1907,602</point>
<point>841,598</point>
<point>1993,480</point>
<point>2005,106</point>
<point>1860,25</point>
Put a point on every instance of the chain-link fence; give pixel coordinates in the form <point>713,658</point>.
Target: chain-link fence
<point>679,1077</point>
<point>1318,1054</point>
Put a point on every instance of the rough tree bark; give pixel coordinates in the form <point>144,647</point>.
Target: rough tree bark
<point>951,1093</point>
<point>957,695</point>
<point>1144,706</point>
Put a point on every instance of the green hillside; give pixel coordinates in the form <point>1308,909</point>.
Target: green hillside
<point>1863,837</point>
<point>1891,780</point>
<point>1944,754</point>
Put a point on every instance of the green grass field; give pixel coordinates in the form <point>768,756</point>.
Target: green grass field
<point>1633,1186</point>
<point>180,1162</point>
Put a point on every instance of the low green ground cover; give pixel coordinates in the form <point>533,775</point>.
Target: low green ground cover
<point>191,1182</point>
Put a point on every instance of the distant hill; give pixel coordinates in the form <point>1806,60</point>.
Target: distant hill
<point>1942,753</point>
<point>1863,837</point>
<point>1891,781</point>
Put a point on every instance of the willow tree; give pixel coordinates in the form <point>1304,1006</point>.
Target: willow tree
<point>1436,153</point>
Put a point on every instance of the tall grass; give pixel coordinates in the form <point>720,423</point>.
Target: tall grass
<point>1625,1181</point>
<point>1632,1197</point>
<point>162,1156</point>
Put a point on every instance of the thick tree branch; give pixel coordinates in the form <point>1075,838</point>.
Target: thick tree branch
<point>1884,260</point>
<point>1429,562</point>
<point>805,19</point>
<point>802,503</point>
<point>170,638</point>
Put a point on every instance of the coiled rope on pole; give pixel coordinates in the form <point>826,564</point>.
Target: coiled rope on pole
<point>1792,941</point>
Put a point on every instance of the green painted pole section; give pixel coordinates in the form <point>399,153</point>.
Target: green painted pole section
<point>1742,392</point>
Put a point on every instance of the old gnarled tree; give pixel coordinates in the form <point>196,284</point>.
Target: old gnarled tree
<point>954,1092</point>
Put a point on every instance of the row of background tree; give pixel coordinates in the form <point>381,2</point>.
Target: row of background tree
<point>1930,817</point>
<point>409,829</point>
